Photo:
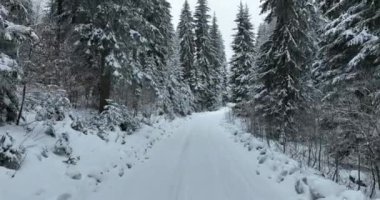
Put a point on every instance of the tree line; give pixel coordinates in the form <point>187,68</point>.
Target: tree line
<point>311,80</point>
<point>124,51</point>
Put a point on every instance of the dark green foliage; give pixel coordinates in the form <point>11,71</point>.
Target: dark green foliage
<point>282,64</point>
<point>203,96</point>
<point>219,67</point>
<point>348,74</point>
<point>10,157</point>
<point>207,63</point>
<point>242,62</point>
<point>14,14</point>
<point>187,44</point>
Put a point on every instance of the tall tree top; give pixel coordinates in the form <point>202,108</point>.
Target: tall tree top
<point>186,7</point>
<point>186,17</point>
<point>244,27</point>
<point>214,25</point>
<point>201,13</point>
<point>281,10</point>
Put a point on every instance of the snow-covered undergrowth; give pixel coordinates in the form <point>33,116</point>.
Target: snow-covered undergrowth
<point>72,164</point>
<point>59,153</point>
<point>280,168</point>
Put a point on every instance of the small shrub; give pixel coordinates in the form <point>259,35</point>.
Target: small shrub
<point>50,131</point>
<point>62,146</point>
<point>113,116</point>
<point>49,102</point>
<point>10,157</point>
<point>78,125</point>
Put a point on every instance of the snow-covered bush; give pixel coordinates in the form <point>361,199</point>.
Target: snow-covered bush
<point>50,130</point>
<point>78,125</point>
<point>62,146</point>
<point>10,157</point>
<point>50,103</point>
<point>115,116</point>
<point>103,135</point>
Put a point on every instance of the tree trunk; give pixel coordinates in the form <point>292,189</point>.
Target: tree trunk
<point>105,84</point>
<point>359,169</point>
<point>378,175</point>
<point>309,153</point>
<point>284,140</point>
<point>58,42</point>
<point>22,105</point>
<point>320,153</point>
<point>373,180</point>
<point>267,134</point>
<point>336,174</point>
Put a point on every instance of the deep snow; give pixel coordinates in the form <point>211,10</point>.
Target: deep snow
<point>200,157</point>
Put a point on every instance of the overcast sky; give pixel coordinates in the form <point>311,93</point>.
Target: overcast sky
<point>226,13</point>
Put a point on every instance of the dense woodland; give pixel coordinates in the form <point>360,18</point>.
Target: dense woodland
<point>119,50</point>
<point>313,86</point>
<point>308,82</point>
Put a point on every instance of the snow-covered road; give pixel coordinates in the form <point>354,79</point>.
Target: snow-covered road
<point>200,161</point>
<point>200,157</point>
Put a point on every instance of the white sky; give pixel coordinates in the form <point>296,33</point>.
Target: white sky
<point>225,12</point>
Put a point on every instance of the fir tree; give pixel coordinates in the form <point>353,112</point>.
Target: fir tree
<point>220,65</point>
<point>62,16</point>
<point>187,43</point>
<point>348,74</point>
<point>204,54</point>
<point>14,15</point>
<point>101,38</point>
<point>243,58</point>
<point>281,66</point>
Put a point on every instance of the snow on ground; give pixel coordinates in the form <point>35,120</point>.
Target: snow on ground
<point>200,157</point>
<point>45,176</point>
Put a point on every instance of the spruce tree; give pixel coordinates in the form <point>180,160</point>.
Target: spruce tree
<point>159,50</point>
<point>204,54</point>
<point>242,61</point>
<point>187,43</point>
<point>219,65</point>
<point>14,14</point>
<point>348,74</point>
<point>101,37</point>
<point>62,16</point>
<point>281,66</point>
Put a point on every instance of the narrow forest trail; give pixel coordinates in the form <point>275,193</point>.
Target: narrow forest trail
<point>200,161</point>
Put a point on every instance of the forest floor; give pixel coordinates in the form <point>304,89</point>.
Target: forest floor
<point>200,157</point>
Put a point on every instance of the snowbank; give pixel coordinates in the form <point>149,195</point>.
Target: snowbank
<point>84,164</point>
<point>281,168</point>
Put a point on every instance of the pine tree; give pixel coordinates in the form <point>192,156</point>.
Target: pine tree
<point>220,65</point>
<point>160,49</point>
<point>62,16</point>
<point>180,95</point>
<point>281,66</point>
<point>242,61</point>
<point>14,15</point>
<point>204,54</point>
<point>187,43</point>
<point>348,74</point>
<point>101,37</point>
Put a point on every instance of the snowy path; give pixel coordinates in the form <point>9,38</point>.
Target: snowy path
<point>199,162</point>
<point>193,158</point>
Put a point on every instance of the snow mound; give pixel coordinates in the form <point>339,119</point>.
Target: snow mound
<point>348,195</point>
